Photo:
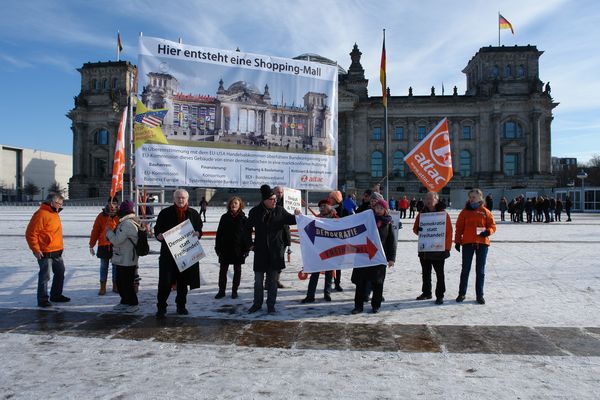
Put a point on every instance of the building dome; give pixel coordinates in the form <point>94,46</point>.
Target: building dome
<point>243,86</point>
<point>320,59</point>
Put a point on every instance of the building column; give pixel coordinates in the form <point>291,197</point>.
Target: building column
<point>535,124</point>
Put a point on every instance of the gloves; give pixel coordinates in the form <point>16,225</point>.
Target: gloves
<point>457,247</point>
<point>485,233</point>
<point>92,252</point>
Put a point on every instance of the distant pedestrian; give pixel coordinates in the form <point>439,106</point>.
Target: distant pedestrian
<point>107,219</point>
<point>474,226</point>
<point>420,204</point>
<point>489,202</point>
<point>45,239</point>
<point>568,206</point>
<point>403,206</point>
<point>558,210</point>
<point>412,208</point>
<point>203,208</point>
<point>365,201</point>
<point>503,206</point>
<point>230,245</point>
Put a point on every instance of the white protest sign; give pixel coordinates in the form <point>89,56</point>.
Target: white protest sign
<point>396,224</point>
<point>183,245</point>
<point>432,236</point>
<point>339,243</point>
<point>292,200</point>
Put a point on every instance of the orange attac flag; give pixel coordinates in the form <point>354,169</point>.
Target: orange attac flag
<point>382,76</point>
<point>119,159</point>
<point>504,24</point>
<point>431,159</point>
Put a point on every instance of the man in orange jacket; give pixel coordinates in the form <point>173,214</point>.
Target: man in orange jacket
<point>45,239</point>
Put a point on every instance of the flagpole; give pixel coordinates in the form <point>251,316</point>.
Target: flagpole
<point>498,28</point>
<point>131,139</point>
<point>385,133</point>
<point>118,50</point>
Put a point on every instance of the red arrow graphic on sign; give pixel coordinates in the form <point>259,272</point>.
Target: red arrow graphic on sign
<point>367,248</point>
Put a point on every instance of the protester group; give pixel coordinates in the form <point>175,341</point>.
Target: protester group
<point>117,233</point>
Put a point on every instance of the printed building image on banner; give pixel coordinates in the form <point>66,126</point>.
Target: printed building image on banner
<point>328,244</point>
<point>431,159</point>
<point>233,119</point>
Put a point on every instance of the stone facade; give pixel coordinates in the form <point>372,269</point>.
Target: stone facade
<point>105,87</point>
<point>500,128</point>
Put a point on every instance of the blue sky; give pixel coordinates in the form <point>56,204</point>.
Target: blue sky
<point>428,42</point>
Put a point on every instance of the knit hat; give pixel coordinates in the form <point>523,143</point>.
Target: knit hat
<point>266,192</point>
<point>376,196</point>
<point>325,201</point>
<point>126,207</point>
<point>336,195</point>
<point>383,204</point>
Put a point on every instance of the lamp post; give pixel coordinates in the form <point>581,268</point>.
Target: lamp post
<point>582,175</point>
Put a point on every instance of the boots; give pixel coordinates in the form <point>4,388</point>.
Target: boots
<point>115,289</point>
<point>102,290</point>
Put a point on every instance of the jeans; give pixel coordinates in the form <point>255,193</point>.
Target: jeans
<point>440,285</point>
<point>480,251</point>
<point>125,283</point>
<point>259,294</point>
<point>104,270</point>
<point>314,280</point>
<point>58,269</point>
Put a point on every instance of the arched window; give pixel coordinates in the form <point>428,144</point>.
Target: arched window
<point>495,71</point>
<point>465,163</point>
<point>508,71</point>
<point>512,130</point>
<point>376,164</point>
<point>115,83</point>
<point>101,137</point>
<point>521,71</point>
<point>398,164</point>
<point>95,84</point>
<point>105,83</point>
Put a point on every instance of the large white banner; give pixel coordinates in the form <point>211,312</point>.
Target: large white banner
<point>222,118</point>
<point>183,245</point>
<point>339,243</point>
<point>432,236</point>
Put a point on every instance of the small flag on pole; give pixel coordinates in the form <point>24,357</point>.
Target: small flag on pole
<point>504,24</point>
<point>382,74</point>
<point>119,45</point>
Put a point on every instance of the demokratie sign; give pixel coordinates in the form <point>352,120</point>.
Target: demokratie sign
<point>219,118</point>
<point>183,245</point>
<point>330,243</point>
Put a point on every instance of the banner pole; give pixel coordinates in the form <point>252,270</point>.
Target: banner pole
<point>130,130</point>
<point>498,28</point>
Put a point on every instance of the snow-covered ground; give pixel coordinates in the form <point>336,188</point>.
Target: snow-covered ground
<point>537,275</point>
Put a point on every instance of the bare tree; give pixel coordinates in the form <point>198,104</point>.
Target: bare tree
<point>31,189</point>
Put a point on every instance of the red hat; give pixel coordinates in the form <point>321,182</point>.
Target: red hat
<point>383,204</point>
<point>325,201</point>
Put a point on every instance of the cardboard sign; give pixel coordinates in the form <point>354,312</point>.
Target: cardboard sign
<point>432,237</point>
<point>292,200</point>
<point>183,245</point>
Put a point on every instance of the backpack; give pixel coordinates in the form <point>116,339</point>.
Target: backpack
<point>142,248</point>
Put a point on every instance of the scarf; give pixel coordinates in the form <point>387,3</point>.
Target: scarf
<point>181,213</point>
<point>382,220</point>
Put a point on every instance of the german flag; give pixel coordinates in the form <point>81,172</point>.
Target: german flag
<point>504,24</point>
<point>119,45</point>
<point>382,76</point>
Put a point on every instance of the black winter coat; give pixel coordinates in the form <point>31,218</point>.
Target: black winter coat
<point>166,220</point>
<point>230,245</point>
<point>376,273</point>
<point>269,241</point>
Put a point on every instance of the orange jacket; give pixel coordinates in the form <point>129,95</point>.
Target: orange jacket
<point>468,222</point>
<point>103,221</point>
<point>448,244</point>
<point>44,232</point>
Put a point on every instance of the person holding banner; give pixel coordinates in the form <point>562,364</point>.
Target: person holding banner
<point>168,272</point>
<point>124,257</point>
<point>230,245</point>
<point>267,220</point>
<point>326,210</point>
<point>433,254</point>
<point>336,198</point>
<point>107,219</point>
<point>474,226</point>
<point>375,275</point>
